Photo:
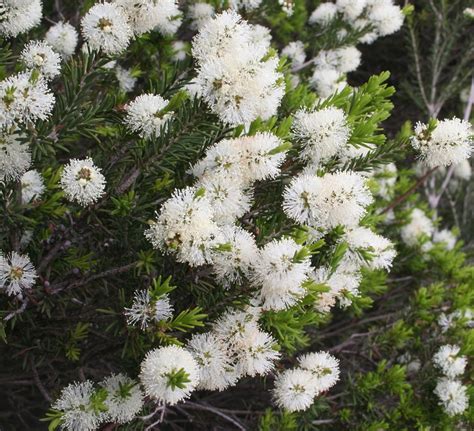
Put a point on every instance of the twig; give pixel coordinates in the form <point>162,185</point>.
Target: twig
<point>38,383</point>
<point>16,312</point>
<point>216,411</point>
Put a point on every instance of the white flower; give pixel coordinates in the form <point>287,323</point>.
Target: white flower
<point>463,170</point>
<point>199,13</point>
<point>386,177</point>
<point>180,50</point>
<point>351,9</point>
<point>325,202</point>
<point>124,398</point>
<point>452,395</point>
<point>232,76</point>
<point>280,272</point>
<point>145,115</point>
<point>75,404</point>
<point>17,273</point>
<point>381,250</point>
<point>37,55</point>
<point>19,17</point>
<point>326,81</point>
<point>295,52</point>
<point>469,12</point>
<point>63,38</point>
<point>105,28</point>
<point>147,15</point>
<point>448,360</point>
<point>323,14</point>
<point>294,390</point>
<point>186,227</point>
<point>216,368</point>
<point>145,309</point>
<point>125,78</point>
<point>15,157</point>
<point>418,226</point>
<point>169,374</point>
<point>245,4</point>
<point>324,368</point>
<point>231,264</point>
<point>343,60</point>
<point>449,143</point>
<point>385,16</point>
<point>82,181</point>
<point>24,99</point>
<point>32,186</point>
<point>322,133</point>
<point>448,321</point>
<point>445,237</point>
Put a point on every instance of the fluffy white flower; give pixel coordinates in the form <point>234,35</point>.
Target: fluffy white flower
<point>245,4</point>
<point>147,15</point>
<point>231,264</point>
<point>343,60</point>
<point>32,186</point>
<point>105,28</point>
<point>63,38</point>
<point>145,117</point>
<point>322,133</point>
<point>323,366</point>
<point>216,368</point>
<point>326,81</point>
<point>418,226</point>
<point>449,143</point>
<point>169,374</point>
<point>452,395</point>
<point>199,13</point>
<point>351,9</point>
<point>15,157</point>
<point>334,199</point>
<point>232,76</point>
<point>280,272</point>
<point>186,227</point>
<point>448,321</point>
<point>17,273</point>
<point>37,55</point>
<point>445,237</point>
<point>82,181</point>
<point>145,309</point>
<point>385,16</point>
<point>448,360</point>
<point>295,52</point>
<point>124,398</point>
<point>75,404</point>
<point>19,17</point>
<point>323,14</point>
<point>125,78</point>
<point>386,177</point>
<point>180,50</point>
<point>24,99</point>
<point>361,239</point>
<point>294,390</point>
<point>463,170</point>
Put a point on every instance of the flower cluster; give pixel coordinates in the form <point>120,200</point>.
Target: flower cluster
<point>236,75</point>
<point>295,389</point>
<point>17,274</point>
<point>19,16</point>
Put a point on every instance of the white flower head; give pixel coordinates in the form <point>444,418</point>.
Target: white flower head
<point>63,38</point>
<point>125,78</point>
<point>322,133</point>
<point>295,52</point>
<point>385,16</point>
<point>326,81</point>
<point>186,227</point>
<point>449,143</point>
<point>169,374</point>
<point>180,50</point>
<point>146,117</point>
<point>38,55</point>
<point>19,17</point>
<point>82,181</point>
<point>146,309</point>
<point>448,360</point>
<point>217,369</point>
<point>351,9</point>
<point>463,170</point>
<point>334,199</point>
<point>418,226</point>
<point>124,398</point>
<point>324,368</point>
<point>15,157</point>
<point>75,404</point>
<point>280,272</point>
<point>24,99</point>
<point>17,273</point>
<point>445,237</point>
<point>105,28</point>
<point>452,396</point>
<point>199,13</point>
<point>32,186</point>
<point>323,14</point>
<point>343,60</point>
<point>294,390</point>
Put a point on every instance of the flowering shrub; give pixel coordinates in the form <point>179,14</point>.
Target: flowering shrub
<point>208,223</point>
